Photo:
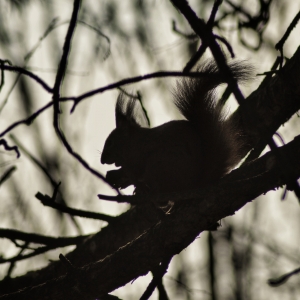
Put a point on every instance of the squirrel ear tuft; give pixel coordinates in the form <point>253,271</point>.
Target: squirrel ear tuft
<point>129,113</point>
<point>121,120</point>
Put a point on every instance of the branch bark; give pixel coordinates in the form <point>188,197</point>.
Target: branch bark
<point>270,106</point>
<point>175,231</point>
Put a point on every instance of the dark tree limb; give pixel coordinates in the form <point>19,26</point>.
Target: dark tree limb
<point>6,175</point>
<point>29,74</point>
<point>279,45</point>
<point>156,281</point>
<point>176,231</point>
<point>41,239</point>
<point>158,74</point>
<point>27,120</point>
<point>48,201</point>
<point>9,148</point>
<point>270,106</point>
<point>274,282</point>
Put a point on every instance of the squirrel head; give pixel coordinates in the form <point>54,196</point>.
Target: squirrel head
<point>130,118</point>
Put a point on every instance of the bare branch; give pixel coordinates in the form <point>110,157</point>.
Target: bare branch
<point>47,201</point>
<point>9,148</point>
<point>131,80</point>
<point>274,282</point>
<point>28,120</point>
<point>31,75</point>
<point>185,223</point>
<point>7,174</point>
<point>12,234</point>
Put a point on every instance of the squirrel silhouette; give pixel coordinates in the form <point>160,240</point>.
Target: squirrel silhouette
<point>178,155</point>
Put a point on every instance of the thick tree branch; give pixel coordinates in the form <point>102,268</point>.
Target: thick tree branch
<point>270,106</point>
<point>176,230</point>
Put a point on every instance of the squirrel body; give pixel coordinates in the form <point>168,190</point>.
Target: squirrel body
<point>178,155</point>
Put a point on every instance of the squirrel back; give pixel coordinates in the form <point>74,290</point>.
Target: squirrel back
<point>178,155</point>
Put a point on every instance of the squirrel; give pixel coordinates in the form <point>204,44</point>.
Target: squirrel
<point>179,155</point>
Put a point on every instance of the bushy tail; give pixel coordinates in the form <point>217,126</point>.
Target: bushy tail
<point>196,100</point>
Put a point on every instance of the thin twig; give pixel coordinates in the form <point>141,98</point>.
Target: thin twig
<point>23,71</point>
<point>28,120</point>
<point>50,241</point>
<point>274,282</point>
<point>122,199</point>
<point>279,45</point>
<point>35,160</point>
<point>196,57</point>
<point>52,25</point>
<point>213,13</point>
<point>56,93</point>
<point>2,63</point>
<point>47,201</point>
<point>99,33</point>
<point>226,43</point>
<point>7,174</point>
<point>13,263</point>
<point>36,252</point>
<point>293,24</point>
<point>131,80</point>
<point>157,276</point>
<point>9,148</point>
<point>189,36</point>
<point>47,173</point>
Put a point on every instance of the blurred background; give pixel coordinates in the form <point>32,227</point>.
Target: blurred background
<point>116,40</point>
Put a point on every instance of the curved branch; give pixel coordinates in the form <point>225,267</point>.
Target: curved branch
<point>28,120</point>
<point>29,74</point>
<point>158,74</point>
<point>12,234</point>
